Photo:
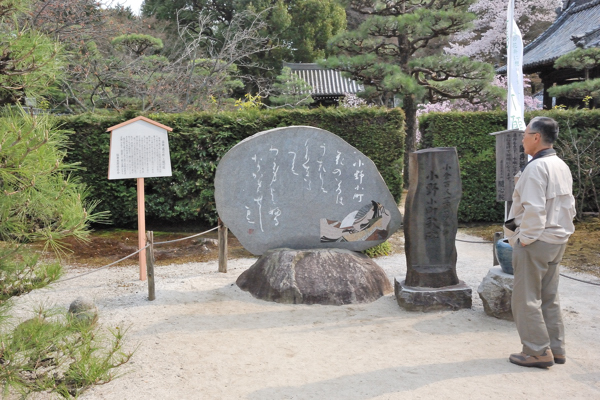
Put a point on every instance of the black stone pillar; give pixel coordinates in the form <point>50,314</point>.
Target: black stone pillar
<point>430,220</point>
<point>430,224</point>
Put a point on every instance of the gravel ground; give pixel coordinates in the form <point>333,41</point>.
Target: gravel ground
<point>204,338</point>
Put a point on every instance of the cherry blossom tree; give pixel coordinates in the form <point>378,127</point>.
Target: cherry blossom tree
<point>498,103</point>
<point>487,41</point>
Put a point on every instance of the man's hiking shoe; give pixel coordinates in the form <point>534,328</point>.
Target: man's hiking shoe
<point>559,359</point>
<point>544,360</point>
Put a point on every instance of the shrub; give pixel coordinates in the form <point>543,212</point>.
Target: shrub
<point>198,142</point>
<point>469,133</point>
<point>382,249</point>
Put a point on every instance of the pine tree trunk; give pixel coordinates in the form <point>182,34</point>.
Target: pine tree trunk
<point>410,143</point>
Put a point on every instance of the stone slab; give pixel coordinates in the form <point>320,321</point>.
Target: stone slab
<point>431,217</point>
<point>495,291</point>
<point>315,276</point>
<point>302,187</point>
<point>451,298</point>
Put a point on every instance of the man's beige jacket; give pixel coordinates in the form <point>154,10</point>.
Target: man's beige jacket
<point>543,204</point>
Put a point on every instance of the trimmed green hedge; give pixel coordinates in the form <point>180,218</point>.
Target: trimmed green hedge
<point>199,140</point>
<point>469,133</point>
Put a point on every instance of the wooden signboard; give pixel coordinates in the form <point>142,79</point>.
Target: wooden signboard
<point>139,148</point>
<point>510,158</point>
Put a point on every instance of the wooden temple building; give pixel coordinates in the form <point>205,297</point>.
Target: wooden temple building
<point>577,26</point>
<point>328,86</point>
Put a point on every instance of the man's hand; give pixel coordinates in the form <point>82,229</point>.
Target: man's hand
<point>522,244</point>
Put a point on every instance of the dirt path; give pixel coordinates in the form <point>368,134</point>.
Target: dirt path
<point>204,338</point>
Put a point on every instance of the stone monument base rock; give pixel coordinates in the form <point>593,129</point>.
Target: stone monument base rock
<point>452,297</point>
<point>495,291</point>
<point>315,276</point>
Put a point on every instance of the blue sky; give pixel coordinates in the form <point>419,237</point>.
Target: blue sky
<point>133,4</point>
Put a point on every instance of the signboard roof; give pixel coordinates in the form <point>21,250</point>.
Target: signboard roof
<point>140,118</point>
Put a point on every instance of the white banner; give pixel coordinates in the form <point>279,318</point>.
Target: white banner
<point>514,72</point>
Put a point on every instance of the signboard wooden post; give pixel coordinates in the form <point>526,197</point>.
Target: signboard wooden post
<point>139,148</point>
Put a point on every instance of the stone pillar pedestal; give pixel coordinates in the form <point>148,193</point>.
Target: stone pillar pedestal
<point>451,298</point>
<point>495,291</point>
<point>315,276</point>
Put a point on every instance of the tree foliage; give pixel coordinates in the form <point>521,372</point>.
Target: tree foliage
<point>40,200</point>
<point>302,27</point>
<point>290,90</point>
<point>28,58</point>
<point>579,59</point>
<point>56,352</point>
<point>395,50</point>
<point>137,43</point>
<point>497,103</point>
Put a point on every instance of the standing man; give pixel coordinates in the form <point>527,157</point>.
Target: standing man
<point>540,223</point>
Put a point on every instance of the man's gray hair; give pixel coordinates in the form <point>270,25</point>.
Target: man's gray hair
<point>546,127</point>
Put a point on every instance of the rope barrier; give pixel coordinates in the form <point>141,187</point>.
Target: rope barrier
<point>186,238</point>
<point>133,254</point>
<point>106,266</point>
<point>566,276</point>
<point>216,227</point>
<point>580,280</point>
<point>471,241</point>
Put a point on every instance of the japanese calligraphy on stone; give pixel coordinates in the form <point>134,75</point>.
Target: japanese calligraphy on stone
<point>312,170</point>
<point>287,181</point>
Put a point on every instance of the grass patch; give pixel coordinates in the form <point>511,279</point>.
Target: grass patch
<point>382,249</point>
<point>53,352</point>
<point>56,352</point>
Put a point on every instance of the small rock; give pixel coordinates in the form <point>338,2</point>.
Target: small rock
<point>84,309</point>
<point>495,291</point>
<point>210,242</point>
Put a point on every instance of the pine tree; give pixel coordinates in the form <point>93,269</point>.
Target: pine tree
<point>38,200</point>
<point>28,62</point>
<point>290,90</point>
<point>397,50</point>
<point>581,60</point>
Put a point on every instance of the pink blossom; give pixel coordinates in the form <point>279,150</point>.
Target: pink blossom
<point>351,100</point>
<point>531,103</point>
<point>488,38</point>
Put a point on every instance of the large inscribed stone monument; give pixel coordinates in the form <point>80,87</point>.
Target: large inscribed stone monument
<point>302,187</point>
<point>430,225</point>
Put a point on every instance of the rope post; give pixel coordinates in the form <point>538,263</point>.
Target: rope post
<point>150,264</point>
<point>222,247</point>
<point>497,236</point>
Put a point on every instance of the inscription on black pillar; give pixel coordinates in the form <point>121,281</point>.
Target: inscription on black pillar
<point>430,220</point>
